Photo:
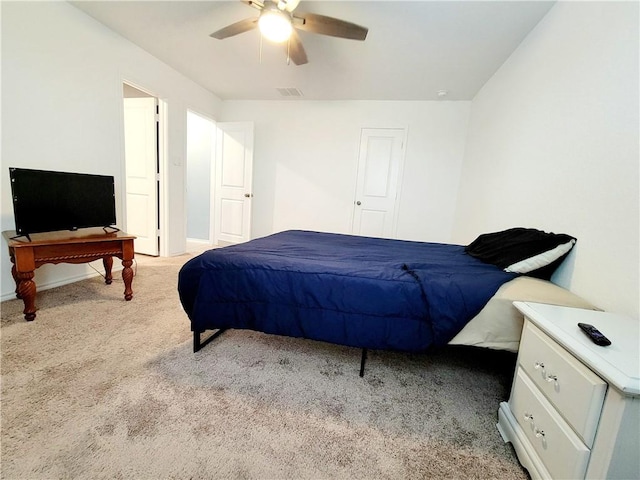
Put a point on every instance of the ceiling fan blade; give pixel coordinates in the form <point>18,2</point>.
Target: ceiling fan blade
<point>235,28</point>
<point>296,50</point>
<point>310,22</point>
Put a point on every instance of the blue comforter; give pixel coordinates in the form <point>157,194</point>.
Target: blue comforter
<point>357,291</point>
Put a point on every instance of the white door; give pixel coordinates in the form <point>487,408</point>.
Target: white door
<point>141,159</point>
<point>233,182</point>
<point>378,182</point>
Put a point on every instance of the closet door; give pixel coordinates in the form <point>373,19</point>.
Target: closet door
<point>378,182</point>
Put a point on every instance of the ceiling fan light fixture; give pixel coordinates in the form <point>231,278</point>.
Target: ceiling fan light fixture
<point>275,25</point>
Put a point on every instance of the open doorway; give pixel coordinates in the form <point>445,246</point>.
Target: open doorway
<point>142,141</point>
<point>218,182</point>
<point>201,137</point>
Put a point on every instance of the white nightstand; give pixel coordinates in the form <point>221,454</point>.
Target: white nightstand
<point>574,410</point>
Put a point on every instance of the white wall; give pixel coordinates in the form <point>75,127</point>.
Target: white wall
<point>553,144</point>
<point>62,75</point>
<point>306,156</point>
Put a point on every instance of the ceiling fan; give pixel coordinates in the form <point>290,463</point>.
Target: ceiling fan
<point>278,23</point>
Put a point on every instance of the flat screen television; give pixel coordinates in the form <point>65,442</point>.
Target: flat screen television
<point>46,201</point>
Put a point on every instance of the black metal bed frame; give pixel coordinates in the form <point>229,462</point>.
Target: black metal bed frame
<point>199,344</point>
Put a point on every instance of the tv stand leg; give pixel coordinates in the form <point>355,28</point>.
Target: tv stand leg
<point>127,276</point>
<point>108,264</point>
<point>14,274</point>
<point>27,291</point>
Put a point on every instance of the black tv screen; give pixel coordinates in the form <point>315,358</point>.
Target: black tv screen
<point>45,201</point>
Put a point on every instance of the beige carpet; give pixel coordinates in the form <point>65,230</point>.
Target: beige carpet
<point>97,387</point>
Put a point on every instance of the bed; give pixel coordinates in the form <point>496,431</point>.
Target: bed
<point>363,292</point>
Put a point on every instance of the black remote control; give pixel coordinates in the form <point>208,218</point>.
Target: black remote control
<point>594,334</point>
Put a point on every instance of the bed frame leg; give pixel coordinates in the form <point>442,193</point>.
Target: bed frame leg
<point>198,344</point>
<point>363,359</point>
<point>196,341</point>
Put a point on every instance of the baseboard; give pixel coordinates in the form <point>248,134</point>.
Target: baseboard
<point>195,245</point>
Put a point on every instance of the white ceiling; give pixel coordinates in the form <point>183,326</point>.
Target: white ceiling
<point>413,48</point>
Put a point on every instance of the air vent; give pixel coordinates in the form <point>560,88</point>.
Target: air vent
<point>289,92</point>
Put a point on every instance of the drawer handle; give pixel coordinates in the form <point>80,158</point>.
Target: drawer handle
<point>552,378</point>
<point>536,431</point>
<point>540,434</point>
<point>529,418</point>
<point>539,365</point>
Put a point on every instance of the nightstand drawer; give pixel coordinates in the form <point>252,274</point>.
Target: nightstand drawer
<point>559,448</point>
<point>575,391</point>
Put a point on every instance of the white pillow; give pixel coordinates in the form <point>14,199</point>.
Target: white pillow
<point>541,260</point>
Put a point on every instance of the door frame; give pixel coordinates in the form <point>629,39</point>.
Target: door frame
<point>162,163</point>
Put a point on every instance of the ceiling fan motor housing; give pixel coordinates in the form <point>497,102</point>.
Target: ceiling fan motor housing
<point>274,23</point>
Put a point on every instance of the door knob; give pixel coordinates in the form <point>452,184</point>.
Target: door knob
<point>248,195</point>
<point>358,202</point>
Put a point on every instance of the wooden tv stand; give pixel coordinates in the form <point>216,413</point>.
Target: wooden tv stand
<point>82,246</point>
